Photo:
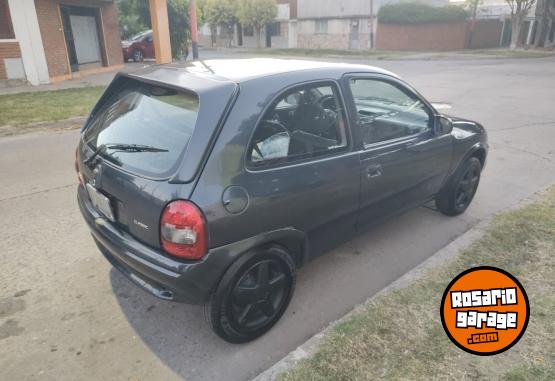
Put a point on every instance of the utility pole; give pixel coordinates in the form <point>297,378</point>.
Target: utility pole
<point>194,33</point>
<point>371,24</point>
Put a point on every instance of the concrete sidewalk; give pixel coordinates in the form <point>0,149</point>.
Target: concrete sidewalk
<point>100,79</point>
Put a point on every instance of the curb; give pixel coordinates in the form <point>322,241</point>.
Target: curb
<point>450,251</point>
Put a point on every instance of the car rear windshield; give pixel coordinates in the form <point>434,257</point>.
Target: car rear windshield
<point>157,121</point>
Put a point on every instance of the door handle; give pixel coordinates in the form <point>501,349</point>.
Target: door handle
<point>374,170</point>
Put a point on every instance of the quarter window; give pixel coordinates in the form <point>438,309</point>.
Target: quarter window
<point>303,123</point>
<point>387,112</point>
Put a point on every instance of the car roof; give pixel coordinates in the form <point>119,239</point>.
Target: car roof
<point>241,70</point>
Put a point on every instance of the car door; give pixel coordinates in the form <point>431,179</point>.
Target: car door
<point>148,44</point>
<point>403,161</point>
<point>302,169</point>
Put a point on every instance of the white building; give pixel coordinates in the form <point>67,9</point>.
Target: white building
<point>280,34</point>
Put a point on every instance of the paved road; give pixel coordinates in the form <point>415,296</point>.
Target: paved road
<point>64,314</point>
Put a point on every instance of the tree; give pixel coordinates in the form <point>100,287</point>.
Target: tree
<point>221,13</point>
<point>545,11</point>
<point>473,6</point>
<point>129,20</point>
<point>519,11</point>
<point>256,13</point>
<point>178,18</point>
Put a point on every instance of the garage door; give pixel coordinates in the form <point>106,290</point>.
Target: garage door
<point>85,37</point>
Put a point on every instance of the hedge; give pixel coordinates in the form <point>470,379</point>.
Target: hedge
<point>417,13</point>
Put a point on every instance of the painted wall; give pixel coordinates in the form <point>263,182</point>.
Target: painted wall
<point>438,36</point>
<point>27,34</point>
<point>433,36</point>
<point>338,35</point>
<point>8,50</point>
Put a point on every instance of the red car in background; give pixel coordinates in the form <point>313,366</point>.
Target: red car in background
<point>138,47</point>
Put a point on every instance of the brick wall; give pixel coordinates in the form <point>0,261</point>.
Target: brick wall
<point>53,38</point>
<point>487,34</point>
<point>8,50</point>
<point>438,36</point>
<point>111,34</point>
<point>433,36</point>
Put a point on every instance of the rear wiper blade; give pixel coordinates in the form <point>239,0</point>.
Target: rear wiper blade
<point>122,147</point>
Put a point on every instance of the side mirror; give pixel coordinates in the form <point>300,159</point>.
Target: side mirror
<point>444,125</point>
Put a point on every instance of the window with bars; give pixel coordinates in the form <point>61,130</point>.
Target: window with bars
<point>321,27</point>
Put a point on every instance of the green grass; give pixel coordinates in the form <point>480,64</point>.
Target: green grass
<point>47,106</point>
<point>505,53</point>
<point>399,335</point>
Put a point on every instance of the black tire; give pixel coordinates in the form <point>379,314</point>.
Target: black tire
<point>246,303</point>
<point>138,55</point>
<point>457,195</point>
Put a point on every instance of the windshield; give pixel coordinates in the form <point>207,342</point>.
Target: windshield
<point>144,115</point>
<point>140,35</point>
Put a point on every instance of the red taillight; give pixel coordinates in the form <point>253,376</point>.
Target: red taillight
<point>183,231</point>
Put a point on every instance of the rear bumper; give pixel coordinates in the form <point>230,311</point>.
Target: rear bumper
<point>127,53</point>
<point>154,272</point>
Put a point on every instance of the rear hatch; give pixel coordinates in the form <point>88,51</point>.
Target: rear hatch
<point>143,146</point>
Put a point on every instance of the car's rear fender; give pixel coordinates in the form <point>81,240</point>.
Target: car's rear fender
<point>291,239</point>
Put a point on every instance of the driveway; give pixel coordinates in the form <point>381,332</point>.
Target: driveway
<point>65,314</point>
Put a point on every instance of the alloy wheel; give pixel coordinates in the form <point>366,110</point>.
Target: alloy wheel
<point>259,295</point>
<point>467,187</point>
<point>138,55</point>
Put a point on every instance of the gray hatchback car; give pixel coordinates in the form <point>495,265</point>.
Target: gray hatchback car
<point>212,182</point>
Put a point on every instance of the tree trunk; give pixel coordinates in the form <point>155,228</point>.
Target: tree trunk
<point>539,38</point>
<point>258,36</point>
<point>472,26</point>
<point>545,12</point>
<point>213,35</point>
<point>515,31</point>
<point>231,34</point>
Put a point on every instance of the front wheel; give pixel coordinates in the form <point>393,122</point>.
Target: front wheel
<point>455,198</point>
<point>252,295</point>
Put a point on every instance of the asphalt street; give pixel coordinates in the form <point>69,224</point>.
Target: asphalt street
<point>66,315</point>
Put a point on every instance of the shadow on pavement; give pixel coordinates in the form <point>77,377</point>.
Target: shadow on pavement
<point>327,288</point>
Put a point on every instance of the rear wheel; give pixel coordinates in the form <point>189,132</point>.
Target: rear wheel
<point>138,55</point>
<point>252,295</point>
<point>455,198</point>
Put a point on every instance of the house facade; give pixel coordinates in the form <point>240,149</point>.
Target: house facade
<point>353,24</point>
<point>500,10</point>
<point>332,24</point>
<point>45,41</point>
<point>282,33</point>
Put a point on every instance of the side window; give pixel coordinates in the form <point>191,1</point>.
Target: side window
<point>303,123</point>
<point>386,112</point>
